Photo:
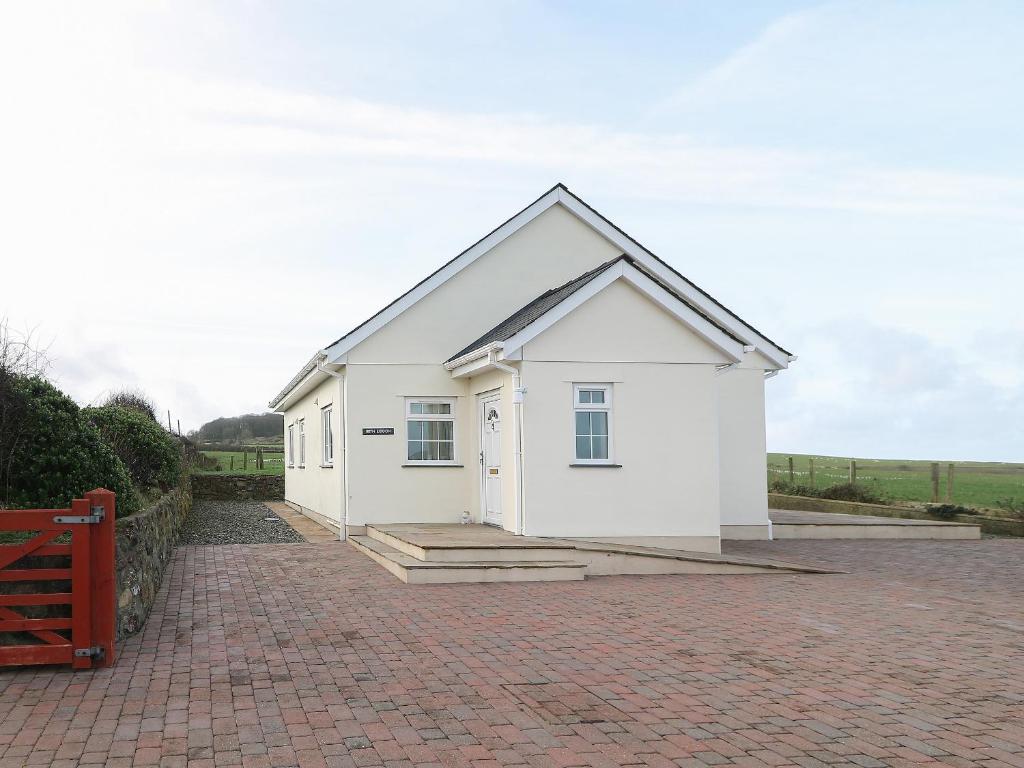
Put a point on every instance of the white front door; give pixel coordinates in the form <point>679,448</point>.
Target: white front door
<point>490,459</point>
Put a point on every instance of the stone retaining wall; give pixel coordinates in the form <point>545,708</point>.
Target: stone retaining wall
<point>144,544</point>
<point>238,487</point>
<point>990,523</point>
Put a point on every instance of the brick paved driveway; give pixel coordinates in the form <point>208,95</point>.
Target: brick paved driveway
<point>310,654</point>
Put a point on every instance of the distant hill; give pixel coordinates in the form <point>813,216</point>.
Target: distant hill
<point>249,426</point>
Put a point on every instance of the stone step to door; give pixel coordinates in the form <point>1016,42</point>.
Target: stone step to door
<point>412,570</point>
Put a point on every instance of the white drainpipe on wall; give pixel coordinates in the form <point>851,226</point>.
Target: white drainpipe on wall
<point>517,430</point>
<point>343,390</point>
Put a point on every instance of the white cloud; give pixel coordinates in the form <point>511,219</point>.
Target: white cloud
<point>149,211</point>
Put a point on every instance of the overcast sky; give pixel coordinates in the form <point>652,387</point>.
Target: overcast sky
<point>196,197</point>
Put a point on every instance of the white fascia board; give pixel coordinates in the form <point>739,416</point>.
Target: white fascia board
<point>472,367</point>
<point>475,354</point>
<point>686,289</point>
<point>463,260</point>
<point>671,304</point>
<point>311,380</point>
<point>733,349</point>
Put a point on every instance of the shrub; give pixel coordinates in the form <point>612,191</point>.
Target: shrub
<point>151,456</point>
<point>950,510</point>
<point>132,399</point>
<point>839,492</point>
<point>52,454</point>
<point>1012,506</point>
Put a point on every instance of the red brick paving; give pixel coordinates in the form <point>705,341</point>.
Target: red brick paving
<point>312,655</point>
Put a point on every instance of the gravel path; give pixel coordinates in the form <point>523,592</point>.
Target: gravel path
<point>235,522</point>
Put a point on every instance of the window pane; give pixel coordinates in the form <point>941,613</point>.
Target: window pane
<point>584,395</point>
<point>436,408</point>
<point>599,423</point>
<point>430,451</point>
<point>446,430</point>
<point>582,422</point>
<point>583,448</point>
<point>597,396</point>
<point>415,430</point>
<point>415,450</point>
<point>446,451</point>
<point>431,430</point>
<point>600,447</point>
<point>415,407</point>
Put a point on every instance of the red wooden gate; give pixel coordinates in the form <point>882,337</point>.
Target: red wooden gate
<point>90,523</point>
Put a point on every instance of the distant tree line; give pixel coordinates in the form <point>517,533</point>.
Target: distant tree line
<point>246,427</point>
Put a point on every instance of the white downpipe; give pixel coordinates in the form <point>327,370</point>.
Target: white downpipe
<point>343,389</point>
<point>517,430</point>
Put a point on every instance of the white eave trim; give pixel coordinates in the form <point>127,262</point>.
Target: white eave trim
<point>560,195</point>
<point>307,383</point>
<point>476,354</point>
<point>706,330</point>
<point>685,289</point>
<point>463,260</point>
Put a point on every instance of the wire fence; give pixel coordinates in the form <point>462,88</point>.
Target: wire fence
<point>968,483</point>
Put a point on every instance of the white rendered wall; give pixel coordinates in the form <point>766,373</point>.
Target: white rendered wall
<point>316,487</point>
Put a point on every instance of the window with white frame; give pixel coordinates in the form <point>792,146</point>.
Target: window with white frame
<point>592,404</point>
<point>291,445</point>
<point>327,456</point>
<point>430,430</point>
<point>302,442</point>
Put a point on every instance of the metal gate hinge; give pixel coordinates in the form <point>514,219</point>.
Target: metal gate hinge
<point>97,516</point>
<point>95,652</point>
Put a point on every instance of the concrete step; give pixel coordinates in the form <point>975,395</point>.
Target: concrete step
<point>412,570</point>
<point>468,544</point>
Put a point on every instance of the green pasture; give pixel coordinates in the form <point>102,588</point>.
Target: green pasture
<point>273,463</point>
<point>975,484</point>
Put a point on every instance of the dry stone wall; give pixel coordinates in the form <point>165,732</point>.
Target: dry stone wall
<point>238,487</point>
<point>144,544</point>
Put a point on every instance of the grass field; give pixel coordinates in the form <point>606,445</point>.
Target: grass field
<point>273,463</point>
<point>977,484</point>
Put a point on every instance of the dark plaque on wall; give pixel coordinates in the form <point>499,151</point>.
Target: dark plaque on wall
<point>378,430</point>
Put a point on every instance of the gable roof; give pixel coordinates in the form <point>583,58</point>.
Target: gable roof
<point>656,268</point>
<point>526,315</point>
<point>511,335</point>
<point>523,318</point>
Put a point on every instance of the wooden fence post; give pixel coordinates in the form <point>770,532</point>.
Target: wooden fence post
<point>791,479</point>
<point>853,471</point>
<point>232,462</point>
<point>949,483</point>
<point>810,472</point>
<point>103,578</point>
<point>245,460</point>
<point>935,482</point>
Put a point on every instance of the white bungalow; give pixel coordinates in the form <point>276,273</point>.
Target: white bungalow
<point>555,379</point>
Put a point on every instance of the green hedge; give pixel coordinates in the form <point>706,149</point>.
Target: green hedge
<point>52,453</point>
<point>151,456</point>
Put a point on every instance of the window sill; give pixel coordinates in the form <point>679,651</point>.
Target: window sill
<point>598,466</point>
<point>435,466</point>
<point>326,466</point>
